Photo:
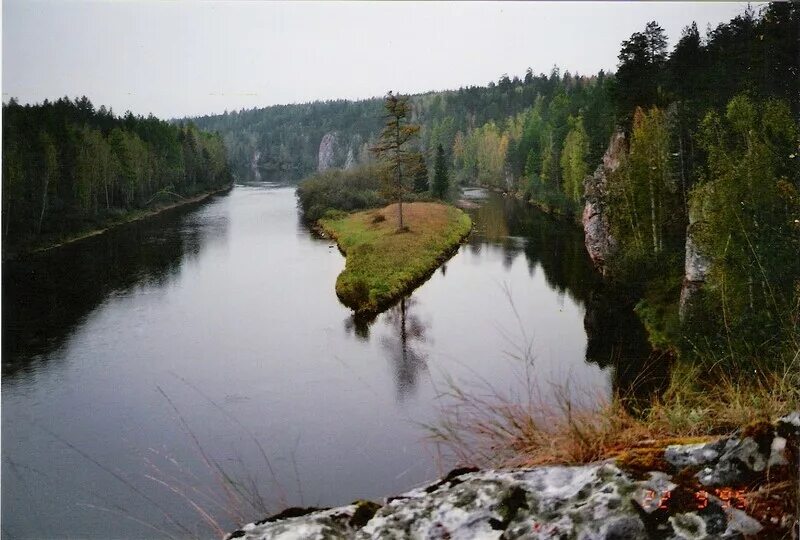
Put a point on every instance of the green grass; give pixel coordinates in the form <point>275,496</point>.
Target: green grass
<point>384,264</point>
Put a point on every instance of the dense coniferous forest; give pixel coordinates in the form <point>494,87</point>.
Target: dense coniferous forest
<point>68,168</point>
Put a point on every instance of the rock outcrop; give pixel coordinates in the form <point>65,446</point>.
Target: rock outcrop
<point>706,490</point>
<point>350,161</point>
<point>696,265</point>
<point>326,151</point>
<point>600,243</point>
<point>254,166</point>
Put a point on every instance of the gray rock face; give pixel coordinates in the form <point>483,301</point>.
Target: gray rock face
<point>599,241</point>
<point>254,166</point>
<point>350,161</point>
<point>696,266</point>
<point>326,148</point>
<point>596,501</point>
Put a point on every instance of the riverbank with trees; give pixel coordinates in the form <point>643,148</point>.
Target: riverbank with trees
<point>70,170</point>
<point>699,212</point>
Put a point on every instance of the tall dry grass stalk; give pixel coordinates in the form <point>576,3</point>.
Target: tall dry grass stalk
<point>235,496</point>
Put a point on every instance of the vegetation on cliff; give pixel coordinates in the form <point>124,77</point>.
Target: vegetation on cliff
<point>68,168</point>
<point>384,263</point>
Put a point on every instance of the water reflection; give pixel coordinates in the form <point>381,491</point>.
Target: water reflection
<point>358,326</point>
<point>615,336</point>
<point>407,331</point>
<point>46,296</point>
<point>237,297</point>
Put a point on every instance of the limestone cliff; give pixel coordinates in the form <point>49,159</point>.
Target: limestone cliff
<point>326,151</point>
<point>696,264</point>
<point>350,161</point>
<point>254,166</point>
<point>600,243</point>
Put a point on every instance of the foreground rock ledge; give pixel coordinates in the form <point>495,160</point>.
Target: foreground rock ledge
<point>698,491</point>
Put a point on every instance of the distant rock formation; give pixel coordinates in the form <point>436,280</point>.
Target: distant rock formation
<point>600,243</point>
<point>350,162</point>
<point>326,151</point>
<point>254,166</point>
<point>651,491</point>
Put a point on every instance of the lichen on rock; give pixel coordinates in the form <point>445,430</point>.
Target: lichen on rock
<point>698,493</point>
<point>600,243</point>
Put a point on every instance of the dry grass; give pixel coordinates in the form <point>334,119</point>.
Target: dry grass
<point>484,427</point>
<point>233,497</point>
<point>384,263</point>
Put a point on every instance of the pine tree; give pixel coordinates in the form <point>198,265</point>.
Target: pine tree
<point>419,171</point>
<point>641,69</point>
<point>441,183</point>
<point>391,147</point>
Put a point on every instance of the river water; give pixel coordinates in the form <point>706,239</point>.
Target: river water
<point>136,360</point>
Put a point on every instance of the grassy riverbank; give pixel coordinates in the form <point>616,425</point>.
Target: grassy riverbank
<point>383,263</point>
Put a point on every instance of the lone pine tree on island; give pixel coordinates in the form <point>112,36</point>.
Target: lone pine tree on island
<point>392,147</point>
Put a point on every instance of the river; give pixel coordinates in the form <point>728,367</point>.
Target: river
<point>133,359</point>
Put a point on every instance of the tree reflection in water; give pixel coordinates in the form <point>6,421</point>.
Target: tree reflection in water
<point>407,360</point>
<point>615,335</point>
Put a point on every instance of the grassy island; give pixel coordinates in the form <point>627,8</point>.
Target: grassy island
<point>384,263</point>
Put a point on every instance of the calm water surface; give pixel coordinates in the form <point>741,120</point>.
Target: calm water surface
<point>221,321</point>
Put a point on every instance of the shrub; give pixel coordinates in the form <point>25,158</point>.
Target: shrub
<point>343,190</point>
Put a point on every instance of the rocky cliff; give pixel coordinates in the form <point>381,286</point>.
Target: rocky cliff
<point>731,487</point>
<point>326,151</point>
<point>600,243</point>
<point>254,166</point>
<point>696,264</point>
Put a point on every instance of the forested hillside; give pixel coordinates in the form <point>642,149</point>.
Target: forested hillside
<point>712,139</point>
<point>68,167</point>
<point>540,133</point>
<point>710,129</point>
<point>283,140</point>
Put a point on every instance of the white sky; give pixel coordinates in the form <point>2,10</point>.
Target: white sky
<point>176,58</point>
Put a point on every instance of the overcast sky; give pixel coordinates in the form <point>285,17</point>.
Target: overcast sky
<point>188,58</point>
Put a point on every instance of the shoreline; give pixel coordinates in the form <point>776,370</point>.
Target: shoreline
<point>366,309</point>
<point>131,217</point>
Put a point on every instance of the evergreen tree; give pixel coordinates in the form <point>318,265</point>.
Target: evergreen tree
<point>441,183</point>
<point>392,147</point>
<point>419,172</point>
<point>640,71</point>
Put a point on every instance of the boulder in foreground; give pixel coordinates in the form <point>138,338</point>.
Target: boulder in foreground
<point>725,488</point>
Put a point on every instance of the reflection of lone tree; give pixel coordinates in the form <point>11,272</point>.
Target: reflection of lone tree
<point>392,147</point>
<point>407,361</point>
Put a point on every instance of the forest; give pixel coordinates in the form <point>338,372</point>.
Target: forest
<point>711,144</point>
<point>69,168</point>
